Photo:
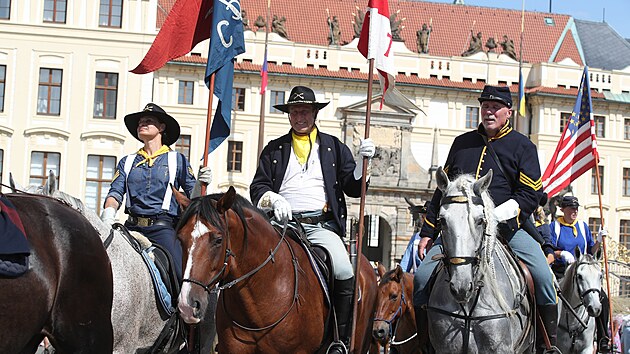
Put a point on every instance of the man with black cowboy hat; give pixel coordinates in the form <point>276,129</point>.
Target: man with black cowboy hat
<point>145,177</point>
<point>303,175</point>
<point>410,259</point>
<point>516,188</point>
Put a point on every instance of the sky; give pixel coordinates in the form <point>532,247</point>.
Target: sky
<point>615,12</point>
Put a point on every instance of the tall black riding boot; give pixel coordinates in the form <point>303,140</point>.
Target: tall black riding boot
<point>549,316</point>
<point>604,344</point>
<point>343,296</point>
<point>422,328</point>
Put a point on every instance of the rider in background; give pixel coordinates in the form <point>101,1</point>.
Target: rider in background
<point>303,176</point>
<point>410,260</point>
<point>516,188</point>
<point>145,178</point>
<point>567,233</point>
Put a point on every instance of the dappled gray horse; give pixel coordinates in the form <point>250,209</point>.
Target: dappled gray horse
<point>581,287</point>
<point>136,316</point>
<point>479,302</point>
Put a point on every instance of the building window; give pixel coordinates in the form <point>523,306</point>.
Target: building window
<point>626,182</point>
<point>624,233</point>
<point>49,93</point>
<point>624,288</point>
<point>110,13</point>
<point>594,224</point>
<point>186,90</point>
<point>41,164</point>
<point>105,95</point>
<point>472,117</point>
<point>564,119</point>
<point>600,126</point>
<point>183,145</point>
<point>238,99</point>
<point>276,97</point>
<point>99,175</point>
<point>626,129</point>
<point>5,9</point>
<point>235,156</point>
<point>594,179</point>
<point>3,79</point>
<point>55,11</point>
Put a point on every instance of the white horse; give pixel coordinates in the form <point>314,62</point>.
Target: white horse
<point>581,287</point>
<point>479,302</point>
<point>136,316</point>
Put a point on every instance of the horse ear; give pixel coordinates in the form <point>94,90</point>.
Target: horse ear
<point>226,200</point>
<point>577,253</point>
<point>51,183</point>
<point>599,252</point>
<point>398,273</point>
<point>442,179</point>
<point>380,268</point>
<point>181,198</point>
<point>483,183</point>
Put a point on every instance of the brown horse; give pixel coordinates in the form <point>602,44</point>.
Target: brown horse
<point>271,300</point>
<point>66,295</point>
<point>394,320</point>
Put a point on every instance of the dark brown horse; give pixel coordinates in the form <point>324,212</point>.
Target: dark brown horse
<point>66,295</point>
<point>271,300</point>
<point>394,319</point>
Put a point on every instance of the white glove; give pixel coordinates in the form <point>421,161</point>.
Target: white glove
<point>281,207</point>
<point>601,234</point>
<point>506,210</point>
<point>366,149</point>
<point>567,257</point>
<point>204,177</point>
<point>108,216</point>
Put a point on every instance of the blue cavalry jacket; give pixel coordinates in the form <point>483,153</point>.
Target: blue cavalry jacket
<point>337,168</point>
<point>519,158</point>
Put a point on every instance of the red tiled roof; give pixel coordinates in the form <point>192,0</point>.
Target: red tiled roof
<point>306,23</point>
<point>568,48</point>
<point>562,91</point>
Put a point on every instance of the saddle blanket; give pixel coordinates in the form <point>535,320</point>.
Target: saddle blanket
<point>14,247</point>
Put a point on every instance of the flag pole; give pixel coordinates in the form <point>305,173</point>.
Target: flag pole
<point>261,123</point>
<point>356,243</point>
<point>208,126</point>
<point>601,215</point>
<point>520,63</point>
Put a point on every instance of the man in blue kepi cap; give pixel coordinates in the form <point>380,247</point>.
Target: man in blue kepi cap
<point>516,189</point>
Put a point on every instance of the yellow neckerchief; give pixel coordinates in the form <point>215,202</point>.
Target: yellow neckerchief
<point>151,159</point>
<point>302,145</point>
<point>562,222</point>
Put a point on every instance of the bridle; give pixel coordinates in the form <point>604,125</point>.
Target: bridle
<point>395,317</point>
<point>217,278</point>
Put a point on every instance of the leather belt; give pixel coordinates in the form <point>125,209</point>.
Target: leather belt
<point>148,221</point>
<point>313,219</point>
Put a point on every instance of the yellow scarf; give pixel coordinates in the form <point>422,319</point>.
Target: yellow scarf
<point>151,159</point>
<point>562,222</point>
<point>302,145</point>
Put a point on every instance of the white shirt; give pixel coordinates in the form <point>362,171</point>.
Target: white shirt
<point>303,185</point>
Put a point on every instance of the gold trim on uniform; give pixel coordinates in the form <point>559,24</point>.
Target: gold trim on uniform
<point>481,159</point>
<point>535,185</point>
<point>116,175</point>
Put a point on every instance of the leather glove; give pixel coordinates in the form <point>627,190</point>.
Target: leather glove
<point>366,149</point>
<point>108,216</point>
<point>601,234</point>
<point>567,257</point>
<point>280,206</point>
<point>204,177</point>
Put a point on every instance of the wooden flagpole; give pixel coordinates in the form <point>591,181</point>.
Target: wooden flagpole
<point>601,215</point>
<point>356,240</point>
<point>208,127</point>
<point>261,123</point>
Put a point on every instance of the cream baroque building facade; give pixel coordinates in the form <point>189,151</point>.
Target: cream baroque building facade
<point>82,143</point>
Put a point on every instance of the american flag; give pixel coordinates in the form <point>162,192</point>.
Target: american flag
<point>577,149</point>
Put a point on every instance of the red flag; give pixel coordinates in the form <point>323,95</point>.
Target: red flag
<point>375,42</point>
<point>263,75</point>
<point>188,23</point>
<point>577,149</point>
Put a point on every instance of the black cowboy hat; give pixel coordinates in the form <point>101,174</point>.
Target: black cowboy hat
<point>499,94</point>
<point>301,95</point>
<point>419,209</point>
<point>170,133</point>
<point>569,201</point>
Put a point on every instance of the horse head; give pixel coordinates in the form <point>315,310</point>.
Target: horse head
<point>392,302</point>
<point>468,230</point>
<point>586,277</point>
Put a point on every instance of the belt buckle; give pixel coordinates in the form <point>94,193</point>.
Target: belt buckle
<point>308,220</point>
<point>144,222</point>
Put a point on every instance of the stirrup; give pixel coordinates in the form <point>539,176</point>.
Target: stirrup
<point>338,347</point>
<point>604,345</point>
<point>552,350</point>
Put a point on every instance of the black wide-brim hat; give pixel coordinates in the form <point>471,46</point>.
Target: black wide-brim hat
<point>170,133</point>
<point>301,95</point>
<point>499,94</point>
